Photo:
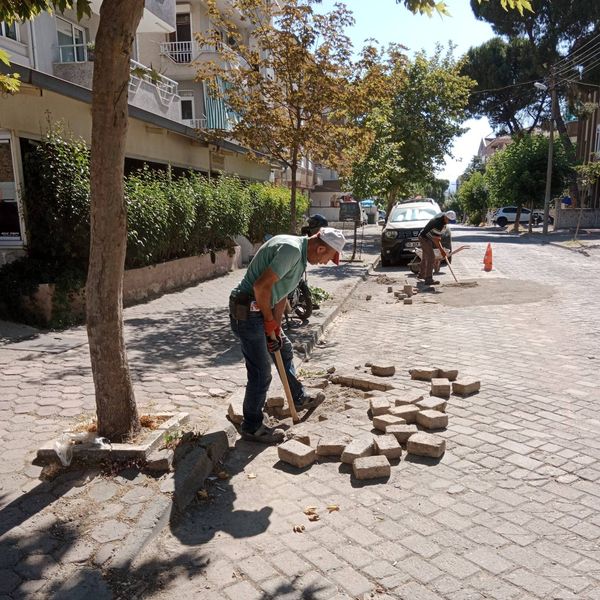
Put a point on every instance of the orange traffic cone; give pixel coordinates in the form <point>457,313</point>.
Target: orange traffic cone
<point>487,259</point>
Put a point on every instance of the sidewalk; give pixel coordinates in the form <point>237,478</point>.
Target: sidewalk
<point>56,535</point>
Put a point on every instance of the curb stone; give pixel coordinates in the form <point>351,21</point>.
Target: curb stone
<point>213,446</point>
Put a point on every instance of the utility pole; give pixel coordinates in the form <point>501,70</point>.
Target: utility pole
<point>552,88</point>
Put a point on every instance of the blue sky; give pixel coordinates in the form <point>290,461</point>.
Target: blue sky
<point>388,22</point>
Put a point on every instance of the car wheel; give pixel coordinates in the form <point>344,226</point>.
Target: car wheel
<point>502,221</point>
<point>415,265</point>
<point>385,261</point>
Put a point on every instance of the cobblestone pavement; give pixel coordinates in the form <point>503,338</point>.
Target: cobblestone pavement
<point>509,512</point>
<point>56,536</point>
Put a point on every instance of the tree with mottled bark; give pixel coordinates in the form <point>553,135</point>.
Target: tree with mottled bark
<point>115,402</point>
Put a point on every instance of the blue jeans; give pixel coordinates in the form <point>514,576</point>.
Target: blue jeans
<point>258,366</point>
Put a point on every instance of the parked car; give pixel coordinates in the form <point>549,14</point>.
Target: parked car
<point>381,217</point>
<point>353,211</point>
<point>400,236</point>
<point>508,214</point>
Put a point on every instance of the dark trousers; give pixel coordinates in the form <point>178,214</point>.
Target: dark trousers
<point>426,267</point>
<point>258,359</point>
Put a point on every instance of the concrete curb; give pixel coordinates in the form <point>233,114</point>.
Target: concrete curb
<point>189,476</point>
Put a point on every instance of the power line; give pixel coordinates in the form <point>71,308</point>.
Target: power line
<point>574,52</point>
<point>589,54</point>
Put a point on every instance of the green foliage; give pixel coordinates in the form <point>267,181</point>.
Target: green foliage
<point>57,200</point>
<point>498,66</point>
<point>414,127</point>
<point>168,217</point>
<point>271,210</point>
<point>517,174</point>
<point>474,198</point>
<point>319,295</point>
<point>22,10</point>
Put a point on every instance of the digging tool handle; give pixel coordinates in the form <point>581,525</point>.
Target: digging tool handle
<point>450,267</point>
<point>285,383</point>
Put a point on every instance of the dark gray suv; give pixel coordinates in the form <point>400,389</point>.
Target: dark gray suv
<point>400,236</point>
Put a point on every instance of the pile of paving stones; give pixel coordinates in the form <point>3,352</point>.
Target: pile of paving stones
<point>400,418</point>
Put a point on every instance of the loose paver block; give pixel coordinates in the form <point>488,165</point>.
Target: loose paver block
<point>361,383</point>
<point>423,373</point>
<point>426,444</point>
<point>330,447</point>
<point>356,449</point>
<point>382,421</point>
<point>383,370</point>
<point>401,432</point>
<point>160,460</point>
<point>450,374</point>
<point>408,412</point>
<point>432,419</point>
<point>236,411</point>
<point>275,401</point>
<point>466,386</point>
<point>408,290</point>
<point>371,467</point>
<point>440,387</point>
<point>295,453</point>
<point>379,406</point>
<point>408,300</point>
<point>303,438</point>
<point>407,398</point>
<point>388,446</point>
<point>432,403</point>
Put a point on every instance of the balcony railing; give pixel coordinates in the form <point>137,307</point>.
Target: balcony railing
<point>187,52</point>
<point>195,123</point>
<point>167,88</point>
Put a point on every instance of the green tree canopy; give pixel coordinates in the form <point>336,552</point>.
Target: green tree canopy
<point>473,197</point>
<point>517,174</point>
<point>415,124</point>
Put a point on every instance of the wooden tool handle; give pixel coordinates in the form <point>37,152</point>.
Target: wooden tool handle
<point>285,382</point>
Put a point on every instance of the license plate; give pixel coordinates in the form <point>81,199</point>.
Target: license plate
<point>411,244</point>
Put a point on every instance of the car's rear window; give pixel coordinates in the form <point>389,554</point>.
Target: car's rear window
<point>420,213</point>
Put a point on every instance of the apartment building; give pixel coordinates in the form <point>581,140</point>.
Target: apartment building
<point>168,109</point>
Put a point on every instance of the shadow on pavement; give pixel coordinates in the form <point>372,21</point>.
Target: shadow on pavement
<point>203,520</point>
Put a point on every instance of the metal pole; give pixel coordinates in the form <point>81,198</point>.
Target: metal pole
<point>550,158</point>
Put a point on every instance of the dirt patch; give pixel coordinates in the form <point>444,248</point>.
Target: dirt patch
<point>385,280</point>
<point>493,292</point>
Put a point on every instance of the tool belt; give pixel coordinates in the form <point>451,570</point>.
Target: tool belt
<point>239,306</point>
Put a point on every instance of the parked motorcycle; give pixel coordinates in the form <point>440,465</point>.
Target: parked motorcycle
<point>299,301</point>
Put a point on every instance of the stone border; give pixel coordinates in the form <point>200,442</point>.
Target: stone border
<point>91,454</point>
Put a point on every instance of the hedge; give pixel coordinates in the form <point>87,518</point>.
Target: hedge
<point>168,217</point>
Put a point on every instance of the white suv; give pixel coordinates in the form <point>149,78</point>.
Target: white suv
<point>508,214</point>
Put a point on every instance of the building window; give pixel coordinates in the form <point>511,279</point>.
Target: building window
<point>596,149</point>
<point>9,31</point>
<point>71,41</point>
<point>187,105</point>
<point>10,227</point>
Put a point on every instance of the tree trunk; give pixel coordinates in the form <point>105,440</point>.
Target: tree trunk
<point>294,184</point>
<point>115,402</point>
<point>517,219</point>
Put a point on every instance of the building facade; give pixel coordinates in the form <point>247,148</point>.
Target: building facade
<point>168,109</point>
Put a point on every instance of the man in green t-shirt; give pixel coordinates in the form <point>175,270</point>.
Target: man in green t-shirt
<point>256,307</point>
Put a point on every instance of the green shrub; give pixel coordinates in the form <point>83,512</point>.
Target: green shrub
<point>57,200</point>
<point>271,210</point>
<point>167,218</point>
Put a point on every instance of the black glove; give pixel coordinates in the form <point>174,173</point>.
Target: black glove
<point>274,343</point>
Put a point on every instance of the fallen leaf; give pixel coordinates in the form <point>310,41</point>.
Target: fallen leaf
<point>203,494</point>
<point>333,507</point>
<point>299,528</point>
<point>251,475</point>
<point>223,475</point>
<point>310,510</point>
<point>314,517</point>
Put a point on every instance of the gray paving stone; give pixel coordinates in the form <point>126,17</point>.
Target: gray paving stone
<point>109,531</point>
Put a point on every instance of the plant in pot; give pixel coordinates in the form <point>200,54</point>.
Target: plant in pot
<point>91,51</point>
